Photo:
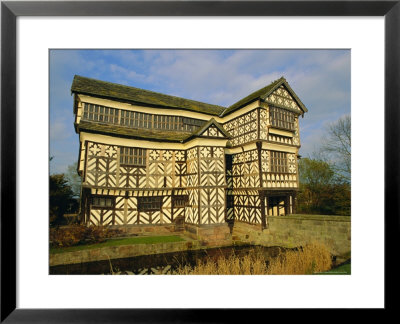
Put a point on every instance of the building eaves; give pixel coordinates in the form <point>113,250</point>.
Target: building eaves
<point>134,133</point>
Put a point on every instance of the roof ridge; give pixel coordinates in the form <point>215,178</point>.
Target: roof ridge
<point>108,89</point>
<point>146,90</point>
<point>254,95</point>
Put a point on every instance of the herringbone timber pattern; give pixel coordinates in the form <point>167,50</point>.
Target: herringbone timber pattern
<point>247,208</point>
<point>119,210</point>
<point>145,217</point>
<point>166,210</point>
<point>179,212</point>
<point>180,174</point>
<point>132,212</point>
<point>95,217</point>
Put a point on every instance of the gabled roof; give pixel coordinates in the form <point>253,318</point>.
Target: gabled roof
<point>110,90</point>
<point>133,95</point>
<point>153,134</point>
<point>263,93</point>
<point>212,121</point>
<point>201,130</point>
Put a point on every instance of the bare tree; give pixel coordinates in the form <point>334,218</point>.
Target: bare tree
<point>336,145</point>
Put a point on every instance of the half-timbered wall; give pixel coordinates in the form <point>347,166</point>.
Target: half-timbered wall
<point>110,166</point>
<point>247,206</point>
<point>291,137</point>
<point>245,171</point>
<point>212,131</point>
<point>282,98</point>
<point>243,129</point>
<point>192,180</point>
<point>264,123</point>
<point>212,185</point>
<point>245,182</point>
<point>206,185</point>
<point>125,210</point>
<point>275,176</point>
<point>155,169</point>
<point>230,216</point>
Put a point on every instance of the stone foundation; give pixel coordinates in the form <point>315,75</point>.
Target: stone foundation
<point>165,229</point>
<point>210,235</point>
<point>119,252</point>
<point>296,230</point>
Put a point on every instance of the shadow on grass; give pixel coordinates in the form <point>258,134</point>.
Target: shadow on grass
<point>342,269</point>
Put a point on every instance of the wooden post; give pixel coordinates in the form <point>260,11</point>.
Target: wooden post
<point>294,202</point>
<point>287,204</point>
<point>261,192</point>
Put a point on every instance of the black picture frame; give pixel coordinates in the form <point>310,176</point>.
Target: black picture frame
<point>10,10</point>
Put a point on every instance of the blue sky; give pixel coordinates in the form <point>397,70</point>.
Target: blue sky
<point>321,79</point>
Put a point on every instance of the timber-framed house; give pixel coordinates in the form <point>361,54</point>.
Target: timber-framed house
<point>150,159</point>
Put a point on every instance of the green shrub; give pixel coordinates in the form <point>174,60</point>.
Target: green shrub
<point>80,234</point>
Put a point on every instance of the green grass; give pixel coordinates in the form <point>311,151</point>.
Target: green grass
<point>117,242</point>
<point>344,269</point>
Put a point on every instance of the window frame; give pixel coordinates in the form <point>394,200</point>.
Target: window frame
<point>138,120</point>
<point>155,203</point>
<point>95,205</point>
<point>279,162</point>
<point>100,113</point>
<point>180,198</point>
<point>282,118</point>
<point>132,156</point>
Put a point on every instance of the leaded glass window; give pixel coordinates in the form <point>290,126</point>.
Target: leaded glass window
<point>279,162</point>
<point>103,202</point>
<point>153,203</point>
<point>132,156</point>
<point>282,118</point>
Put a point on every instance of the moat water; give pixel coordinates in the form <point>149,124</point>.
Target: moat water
<point>158,264</point>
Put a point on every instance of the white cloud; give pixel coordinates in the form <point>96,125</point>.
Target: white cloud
<point>320,78</point>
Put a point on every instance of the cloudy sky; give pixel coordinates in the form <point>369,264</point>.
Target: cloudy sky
<point>321,79</point>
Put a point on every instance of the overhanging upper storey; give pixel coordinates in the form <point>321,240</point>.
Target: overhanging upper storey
<point>105,108</point>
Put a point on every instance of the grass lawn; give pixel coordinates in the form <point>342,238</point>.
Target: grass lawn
<point>116,242</point>
<point>344,269</point>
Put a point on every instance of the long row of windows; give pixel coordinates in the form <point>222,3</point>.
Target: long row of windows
<point>137,156</point>
<point>139,120</point>
<point>282,118</point>
<point>100,113</point>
